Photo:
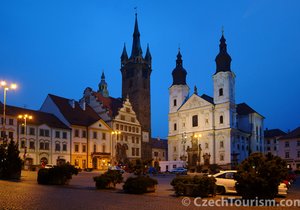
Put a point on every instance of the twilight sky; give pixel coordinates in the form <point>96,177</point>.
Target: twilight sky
<point>62,46</point>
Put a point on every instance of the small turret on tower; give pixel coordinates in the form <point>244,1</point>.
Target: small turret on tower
<point>103,86</point>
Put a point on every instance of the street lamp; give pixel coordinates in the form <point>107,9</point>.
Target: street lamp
<point>25,117</point>
<point>112,143</point>
<point>6,87</point>
<point>198,136</point>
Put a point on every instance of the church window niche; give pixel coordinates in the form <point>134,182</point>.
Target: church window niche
<point>175,126</point>
<point>221,157</point>
<point>221,119</point>
<point>221,144</point>
<point>221,92</point>
<point>195,120</point>
<point>175,102</point>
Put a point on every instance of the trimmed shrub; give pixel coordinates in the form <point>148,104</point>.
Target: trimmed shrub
<point>139,185</point>
<point>108,180</point>
<point>196,186</point>
<point>258,176</point>
<point>58,175</point>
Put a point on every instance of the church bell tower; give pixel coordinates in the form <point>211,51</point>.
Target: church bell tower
<point>136,71</point>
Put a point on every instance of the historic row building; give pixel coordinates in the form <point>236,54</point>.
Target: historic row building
<point>41,136</point>
<point>207,130</point>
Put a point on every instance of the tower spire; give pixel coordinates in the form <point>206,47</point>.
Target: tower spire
<point>179,73</point>
<point>102,87</point>
<point>136,44</point>
<point>124,56</point>
<point>223,59</point>
<point>148,56</point>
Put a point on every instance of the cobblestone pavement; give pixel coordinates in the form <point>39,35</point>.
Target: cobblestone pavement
<point>81,194</point>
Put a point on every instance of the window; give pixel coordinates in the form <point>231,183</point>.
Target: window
<point>95,134</point>
<point>221,119</point>
<point>83,148</point>
<point>31,145</point>
<point>221,144</point>
<point>163,154</point>
<point>298,154</point>
<point>76,148</point>
<point>137,140</point>
<point>126,138</point>
<point>22,130</point>
<point>195,120</point>
<point>133,119</point>
<point>137,153</point>
<point>47,133</point>
<point>64,147</point>
<point>298,143</point>
<point>103,148</point>
<point>83,134</point>
<point>175,126</point>
<point>57,134</point>
<point>121,127</point>
<point>117,126</point>
<point>64,135</point>
<point>129,128</point>
<point>133,140</point>
<point>11,121</point>
<point>23,144</point>
<point>125,127</point>
<point>174,149</point>
<point>76,133</point>
<point>127,109</point>
<point>42,146</point>
<point>10,135</point>
<point>31,131</point>
<point>137,130</point>
<point>57,147</point>
<point>122,117</point>
<point>103,136</point>
<point>47,146</point>
<point>268,141</point>
<point>95,148</point>
<point>287,155</point>
<point>175,102</point>
<point>275,148</point>
<point>275,141</point>
<point>221,157</point>
<point>155,154</point>
<point>133,151</point>
<point>287,144</point>
<point>221,92</point>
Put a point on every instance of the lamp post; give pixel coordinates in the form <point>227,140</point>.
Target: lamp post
<point>6,87</point>
<point>198,136</point>
<point>25,117</point>
<point>112,144</point>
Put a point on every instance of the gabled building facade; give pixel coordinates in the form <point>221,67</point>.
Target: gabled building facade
<point>207,130</point>
<point>90,135</point>
<point>121,117</point>
<point>271,140</point>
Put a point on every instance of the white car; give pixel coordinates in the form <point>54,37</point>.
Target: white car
<point>179,170</point>
<point>225,181</point>
<point>116,168</point>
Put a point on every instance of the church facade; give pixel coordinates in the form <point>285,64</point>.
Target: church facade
<point>206,130</point>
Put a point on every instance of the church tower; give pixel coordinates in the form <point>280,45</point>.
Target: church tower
<point>136,71</point>
<point>224,78</point>
<point>102,87</point>
<point>224,89</point>
<point>179,90</point>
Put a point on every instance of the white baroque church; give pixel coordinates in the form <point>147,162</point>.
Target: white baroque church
<point>207,130</point>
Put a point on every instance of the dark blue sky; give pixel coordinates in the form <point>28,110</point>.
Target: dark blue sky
<point>61,47</point>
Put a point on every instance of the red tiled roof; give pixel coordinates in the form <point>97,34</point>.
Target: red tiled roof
<point>76,115</point>
<point>39,117</point>
<point>112,104</point>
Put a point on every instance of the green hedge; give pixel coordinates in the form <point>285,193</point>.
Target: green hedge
<point>139,185</point>
<point>108,180</point>
<point>197,186</point>
<point>58,175</point>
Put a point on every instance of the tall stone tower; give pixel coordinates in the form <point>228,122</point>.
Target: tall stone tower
<point>136,71</point>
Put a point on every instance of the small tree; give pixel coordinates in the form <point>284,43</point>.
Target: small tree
<point>258,176</point>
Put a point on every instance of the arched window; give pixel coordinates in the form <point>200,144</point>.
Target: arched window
<point>221,92</point>
<point>175,102</point>
<point>57,146</point>
<point>195,120</point>
<point>175,126</point>
<point>42,145</point>
<point>221,119</point>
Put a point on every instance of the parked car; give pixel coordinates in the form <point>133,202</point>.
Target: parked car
<point>117,168</point>
<point>179,170</point>
<point>225,181</point>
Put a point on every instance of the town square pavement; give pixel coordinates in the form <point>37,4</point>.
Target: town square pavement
<point>81,194</point>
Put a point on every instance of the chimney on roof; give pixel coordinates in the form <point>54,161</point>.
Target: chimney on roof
<point>83,105</point>
<point>72,103</point>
